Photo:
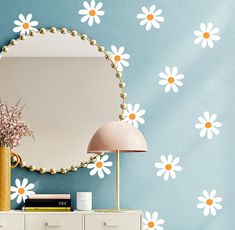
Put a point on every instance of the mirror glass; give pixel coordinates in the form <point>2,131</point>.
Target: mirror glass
<point>69,90</point>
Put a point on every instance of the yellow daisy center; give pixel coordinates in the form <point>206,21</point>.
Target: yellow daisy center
<point>151,224</point>
<point>208,125</point>
<point>209,202</point>
<point>99,164</point>
<point>171,80</point>
<point>168,167</point>
<point>25,25</point>
<point>21,191</point>
<point>92,13</point>
<point>117,58</point>
<point>206,35</point>
<point>132,116</point>
<point>150,17</point>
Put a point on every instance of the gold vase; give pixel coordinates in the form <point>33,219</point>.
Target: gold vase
<point>5,179</point>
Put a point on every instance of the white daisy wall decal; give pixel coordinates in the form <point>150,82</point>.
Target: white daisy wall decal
<point>152,222</point>
<point>92,12</point>
<point>207,35</point>
<point>168,167</point>
<point>151,18</point>
<point>209,203</point>
<point>171,79</point>
<point>22,190</point>
<point>208,125</point>
<point>100,166</point>
<point>133,115</point>
<point>119,57</point>
<point>24,25</point>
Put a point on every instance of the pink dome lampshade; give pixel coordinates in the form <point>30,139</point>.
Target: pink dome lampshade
<point>117,136</point>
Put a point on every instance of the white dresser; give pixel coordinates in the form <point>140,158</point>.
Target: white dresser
<point>17,220</point>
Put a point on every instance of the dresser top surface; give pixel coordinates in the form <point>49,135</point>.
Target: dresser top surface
<point>93,212</point>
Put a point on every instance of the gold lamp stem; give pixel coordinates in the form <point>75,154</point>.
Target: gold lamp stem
<point>118,180</point>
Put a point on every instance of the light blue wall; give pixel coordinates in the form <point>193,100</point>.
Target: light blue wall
<point>170,118</point>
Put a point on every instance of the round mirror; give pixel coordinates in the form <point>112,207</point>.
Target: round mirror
<point>69,90</point>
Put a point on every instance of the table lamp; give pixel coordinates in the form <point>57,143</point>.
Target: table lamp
<point>118,137</point>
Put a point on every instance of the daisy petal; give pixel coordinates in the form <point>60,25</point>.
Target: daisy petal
<point>203,27</point>
<point>152,8</point>
<point>212,194</point>
<point>108,164</point>
<point>202,199</point>
<point>99,6</point>
<point>91,166</point>
<point>206,194</point>
<point>209,26</point>
<point>175,88</point>
<point>106,170</point>
<point>217,124</point>
<point>22,18</point>
<point>34,23</point>
<point>172,174</point>
<point>14,189</point>
<point>175,161</point>
<point>155,216</point>
<point>215,37</point>
<point>218,199</point>
<point>206,211</point>
<point>163,159</point>
<point>14,195</point>
<point>159,165</point>
<point>29,187</point>
<point>204,43</point>
<point>160,221</point>
<point>17,29</point>
<point>93,171</point>
<point>174,71</point>
<point>166,175</point>
<point>17,182</point>
<point>201,205</point>
<point>213,211</point>
<point>199,126</point>
<point>168,70</point>
<point>19,199</point>
<point>28,17</point>
<point>198,40</point>
<point>218,206</point>
<point>163,75</point>
<point>156,24</point>
<point>177,168</point>
<point>210,43</point>
<point>209,134</point>
<point>161,172</point>
<point>206,115</point>
<point>24,182</point>
<point>148,216</point>
<point>105,158</point>
<point>162,82</point>
<point>136,108</point>
<point>167,88</point>
<point>203,132</point>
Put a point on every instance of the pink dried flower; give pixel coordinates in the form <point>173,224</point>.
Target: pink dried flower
<point>12,127</point>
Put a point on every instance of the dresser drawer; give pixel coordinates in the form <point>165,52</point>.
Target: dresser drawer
<point>113,221</point>
<point>47,221</point>
<point>11,222</point>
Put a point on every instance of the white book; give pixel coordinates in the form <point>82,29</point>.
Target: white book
<point>49,196</point>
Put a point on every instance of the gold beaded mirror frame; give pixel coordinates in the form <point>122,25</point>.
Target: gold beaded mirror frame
<point>97,82</point>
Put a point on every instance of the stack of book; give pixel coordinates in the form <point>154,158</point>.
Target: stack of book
<point>48,203</point>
